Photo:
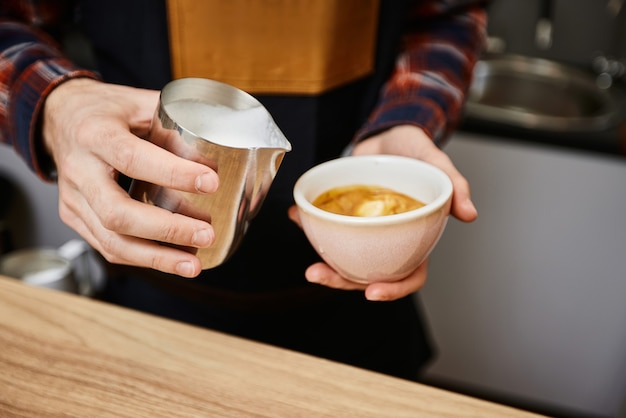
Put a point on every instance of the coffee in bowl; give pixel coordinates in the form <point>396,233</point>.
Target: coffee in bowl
<point>365,200</point>
<point>368,249</point>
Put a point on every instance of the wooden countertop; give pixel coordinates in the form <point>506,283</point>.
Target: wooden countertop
<point>62,354</point>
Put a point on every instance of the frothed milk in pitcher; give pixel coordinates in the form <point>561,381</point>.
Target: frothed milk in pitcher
<point>230,131</point>
<point>239,128</point>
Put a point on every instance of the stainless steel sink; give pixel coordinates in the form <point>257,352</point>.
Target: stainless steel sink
<point>538,94</point>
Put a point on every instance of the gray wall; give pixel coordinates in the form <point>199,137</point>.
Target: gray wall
<point>527,304</point>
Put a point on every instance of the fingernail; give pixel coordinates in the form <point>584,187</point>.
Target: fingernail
<point>313,278</point>
<point>375,295</point>
<point>473,208</point>
<point>202,238</point>
<point>185,268</point>
<point>205,183</point>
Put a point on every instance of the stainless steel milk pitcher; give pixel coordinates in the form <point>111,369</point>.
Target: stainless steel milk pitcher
<point>229,130</point>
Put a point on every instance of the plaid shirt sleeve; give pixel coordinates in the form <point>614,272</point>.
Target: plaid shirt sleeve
<point>427,88</point>
<point>31,65</point>
<point>434,70</point>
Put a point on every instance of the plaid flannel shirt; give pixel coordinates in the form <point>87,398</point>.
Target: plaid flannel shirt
<point>427,88</point>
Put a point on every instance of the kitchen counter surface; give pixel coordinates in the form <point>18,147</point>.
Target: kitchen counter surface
<point>68,355</point>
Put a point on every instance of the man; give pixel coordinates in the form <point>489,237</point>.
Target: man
<point>83,129</point>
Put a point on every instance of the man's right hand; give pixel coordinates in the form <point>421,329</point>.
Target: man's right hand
<point>94,131</point>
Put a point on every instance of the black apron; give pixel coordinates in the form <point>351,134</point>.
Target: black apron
<point>261,292</point>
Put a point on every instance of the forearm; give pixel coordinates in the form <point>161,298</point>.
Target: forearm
<point>433,71</point>
<point>31,66</point>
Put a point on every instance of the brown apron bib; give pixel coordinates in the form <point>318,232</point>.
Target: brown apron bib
<point>274,46</point>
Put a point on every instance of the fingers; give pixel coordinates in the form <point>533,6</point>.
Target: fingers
<point>323,274</point>
<point>143,160</point>
<point>412,142</point>
<point>462,206</point>
<point>294,215</point>
<point>125,231</point>
<point>395,290</point>
<point>119,213</point>
<point>121,249</point>
<point>95,196</point>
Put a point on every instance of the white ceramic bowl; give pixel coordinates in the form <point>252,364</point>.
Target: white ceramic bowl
<point>382,248</point>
